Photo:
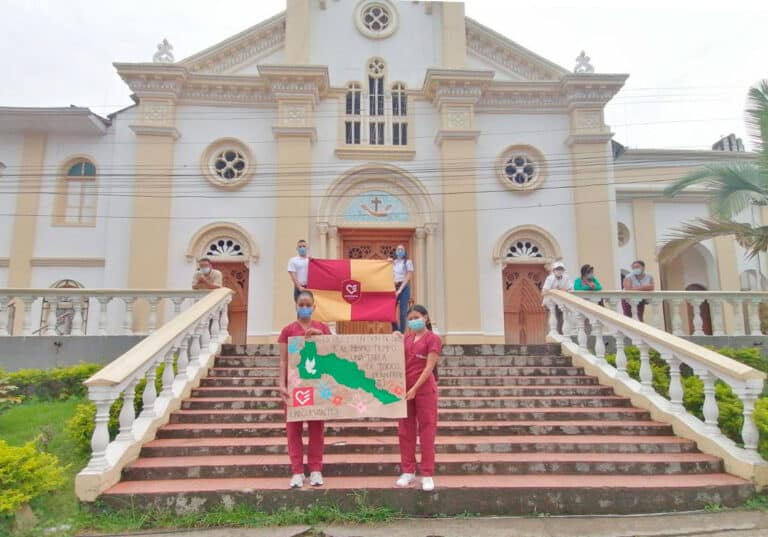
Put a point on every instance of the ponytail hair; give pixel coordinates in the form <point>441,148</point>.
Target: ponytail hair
<point>418,308</point>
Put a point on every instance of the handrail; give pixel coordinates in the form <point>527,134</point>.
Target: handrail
<point>93,291</point>
<point>132,360</point>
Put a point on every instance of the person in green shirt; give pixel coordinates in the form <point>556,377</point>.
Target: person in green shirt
<point>587,282</point>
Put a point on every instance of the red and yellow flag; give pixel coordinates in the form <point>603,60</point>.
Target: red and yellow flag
<point>352,289</point>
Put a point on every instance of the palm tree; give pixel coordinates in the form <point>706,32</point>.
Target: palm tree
<point>733,187</point>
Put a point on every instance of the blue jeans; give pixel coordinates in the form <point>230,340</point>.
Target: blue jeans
<point>402,302</point>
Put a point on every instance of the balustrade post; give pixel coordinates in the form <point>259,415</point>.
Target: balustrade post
<point>26,327</point>
<point>51,322</point>
<point>77,317</point>
<point>711,411</point>
<point>103,315</point>
<point>552,309</point>
<point>215,331</point>
<point>567,321</point>
<point>149,396</point>
<point>128,319</point>
<point>581,332</point>
<point>718,323</point>
<point>224,322</point>
<point>177,302</point>
<point>205,334</point>
<point>646,373</point>
<point>102,398</point>
<point>749,431</point>
<point>597,331</point>
<point>621,357</point>
<point>738,317</point>
<point>168,374</point>
<point>194,347</point>
<point>152,321</point>
<point>128,413</point>
<point>182,362</point>
<point>675,383</point>
<point>698,323</point>
<point>753,307</point>
<point>634,304</point>
<point>677,320</point>
<point>4,313</point>
<point>657,312</point>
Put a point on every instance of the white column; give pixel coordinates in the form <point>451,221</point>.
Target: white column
<point>53,302</point>
<point>103,315</point>
<point>698,323</point>
<point>753,307</point>
<point>323,229</point>
<point>421,254</point>
<point>4,315</point>
<point>677,320</point>
<point>333,242</point>
<point>26,327</point>
<point>77,317</point>
<point>716,309</point>
<point>431,269</point>
<point>738,317</point>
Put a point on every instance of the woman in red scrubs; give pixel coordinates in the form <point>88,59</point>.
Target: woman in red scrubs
<point>422,349</point>
<point>303,326</point>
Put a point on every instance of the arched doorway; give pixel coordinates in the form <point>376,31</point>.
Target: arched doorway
<point>231,250</point>
<point>693,270</point>
<point>704,312</point>
<point>60,320</point>
<point>524,253</point>
<point>366,213</point>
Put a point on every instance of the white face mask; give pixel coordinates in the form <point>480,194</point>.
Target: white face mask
<point>205,270</point>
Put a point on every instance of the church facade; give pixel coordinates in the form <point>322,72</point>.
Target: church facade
<point>356,125</point>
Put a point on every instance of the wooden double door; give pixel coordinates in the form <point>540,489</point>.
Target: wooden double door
<point>235,277</point>
<point>525,319</point>
<point>373,244</point>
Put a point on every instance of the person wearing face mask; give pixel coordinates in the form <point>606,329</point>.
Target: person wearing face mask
<point>298,268</point>
<point>303,326</point>
<point>558,279</point>
<point>206,277</point>
<point>422,350</point>
<point>587,281</point>
<point>403,269</point>
<point>637,280</point>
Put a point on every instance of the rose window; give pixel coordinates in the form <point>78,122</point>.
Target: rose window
<point>520,169</point>
<point>376,18</point>
<point>230,165</point>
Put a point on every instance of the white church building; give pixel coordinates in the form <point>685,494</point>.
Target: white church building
<point>356,125</point>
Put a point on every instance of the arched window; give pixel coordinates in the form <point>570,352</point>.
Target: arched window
<point>399,114</point>
<point>353,109</point>
<point>67,309</point>
<point>76,202</point>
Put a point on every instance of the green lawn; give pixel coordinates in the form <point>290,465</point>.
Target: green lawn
<point>46,420</point>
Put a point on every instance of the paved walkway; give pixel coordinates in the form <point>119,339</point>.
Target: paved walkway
<point>722,524</point>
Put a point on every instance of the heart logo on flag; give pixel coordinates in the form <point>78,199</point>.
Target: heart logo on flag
<point>303,396</point>
<point>351,290</point>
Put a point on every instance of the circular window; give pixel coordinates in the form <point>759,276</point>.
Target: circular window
<point>376,19</point>
<point>521,168</point>
<point>227,163</point>
<point>623,234</point>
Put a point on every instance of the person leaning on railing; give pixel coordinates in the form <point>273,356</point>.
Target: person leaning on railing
<point>637,280</point>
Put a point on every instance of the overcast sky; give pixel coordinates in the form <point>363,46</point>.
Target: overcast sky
<point>690,62</point>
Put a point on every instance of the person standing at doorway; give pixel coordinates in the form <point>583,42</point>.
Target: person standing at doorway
<point>558,279</point>
<point>422,350</point>
<point>403,269</point>
<point>207,277</point>
<point>298,268</point>
<point>637,280</point>
<point>303,326</point>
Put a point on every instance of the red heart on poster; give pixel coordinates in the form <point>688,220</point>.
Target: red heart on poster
<point>303,397</point>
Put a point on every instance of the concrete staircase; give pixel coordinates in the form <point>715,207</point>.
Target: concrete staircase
<point>521,431</point>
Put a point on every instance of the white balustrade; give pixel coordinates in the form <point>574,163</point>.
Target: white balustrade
<point>191,339</point>
<point>73,312</point>
<point>710,367</point>
<point>690,306</point>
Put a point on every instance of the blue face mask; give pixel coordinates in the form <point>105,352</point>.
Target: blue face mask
<point>417,325</point>
<point>400,254</point>
<point>304,312</point>
<point>302,250</point>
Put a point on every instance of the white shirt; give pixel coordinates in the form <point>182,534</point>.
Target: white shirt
<point>300,266</point>
<point>402,267</point>
<point>563,284</point>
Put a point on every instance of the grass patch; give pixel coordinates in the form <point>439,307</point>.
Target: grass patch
<point>45,420</point>
<point>758,502</point>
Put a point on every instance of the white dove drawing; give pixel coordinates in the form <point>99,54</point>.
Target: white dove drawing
<point>309,365</point>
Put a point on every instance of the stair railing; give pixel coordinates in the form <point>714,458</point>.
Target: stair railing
<point>589,350</point>
<point>185,347</point>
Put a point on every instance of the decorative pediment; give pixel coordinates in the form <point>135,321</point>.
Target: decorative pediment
<point>241,50</point>
<point>505,55</point>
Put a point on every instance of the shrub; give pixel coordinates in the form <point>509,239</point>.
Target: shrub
<point>52,384</point>
<point>8,395</point>
<point>659,368</point>
<point>26,473</point>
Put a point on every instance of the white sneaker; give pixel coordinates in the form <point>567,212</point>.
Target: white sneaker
<point>405,480</point>
<point>427,484</point>
<point>316,479</point>
<point>297,481</point>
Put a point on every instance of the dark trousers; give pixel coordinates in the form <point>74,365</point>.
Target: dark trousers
<point>401,304</point>
<point>627,307</point>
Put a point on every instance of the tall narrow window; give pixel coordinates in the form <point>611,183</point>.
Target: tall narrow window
<point>376,114</point>
<point>353,111</point>
<point>78,203</point>
<point>399,115</point>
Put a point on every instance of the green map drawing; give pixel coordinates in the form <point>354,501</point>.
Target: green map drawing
<point>347,373</point>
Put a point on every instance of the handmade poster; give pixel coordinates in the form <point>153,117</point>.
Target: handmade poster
<point>346,377</point>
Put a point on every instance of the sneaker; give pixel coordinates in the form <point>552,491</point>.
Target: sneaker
<point>316,479</point>
<point>427,484</point>
<point>405,480</point>
<point>297,481</point>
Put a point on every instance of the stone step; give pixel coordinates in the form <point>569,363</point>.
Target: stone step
<point>189,447</point>
<point>448,350</point>
<point>449,414</point>
<point>454,495</point>
<point>346,464</point>
<point>450,428</point>
<point>272,403</point>
<point>256,372</point>
<point>237,392</point>
<point>449,371</point>
<point>549,381</point>
<point>444,361</point>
